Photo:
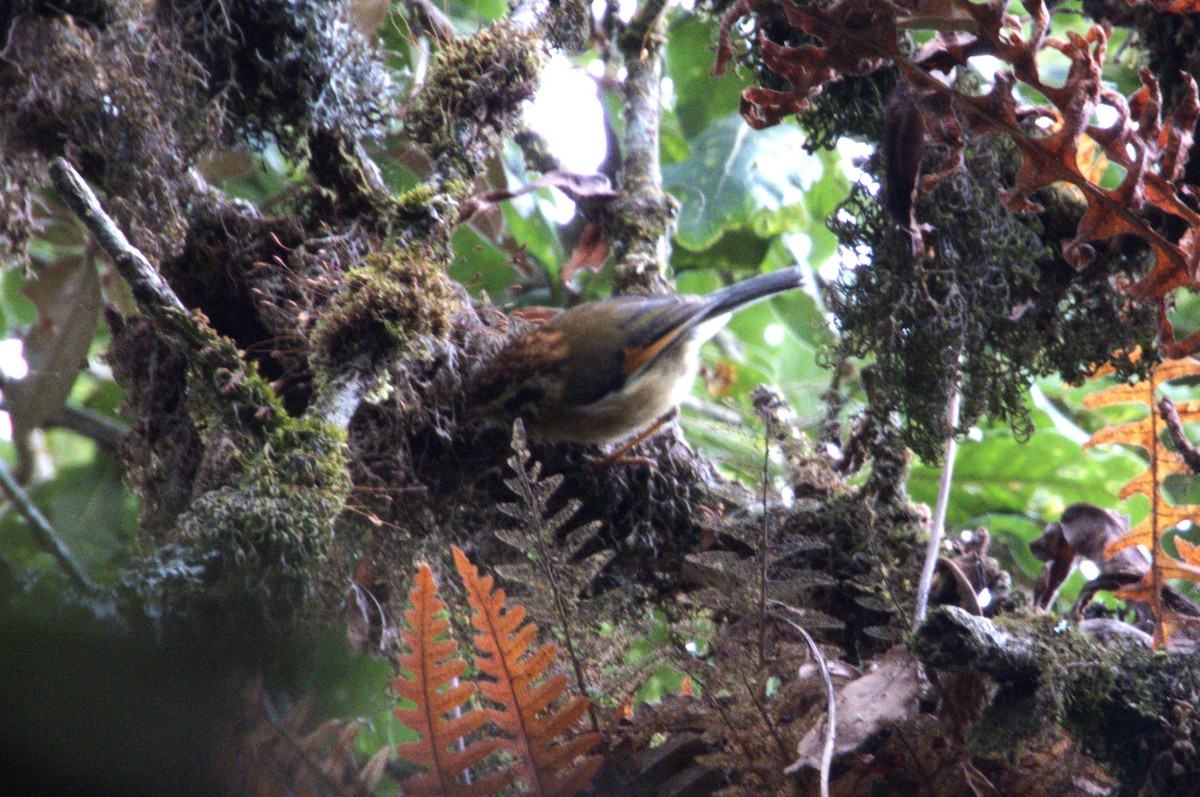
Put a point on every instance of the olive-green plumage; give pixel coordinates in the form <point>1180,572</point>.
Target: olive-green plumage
<point>605,370</point>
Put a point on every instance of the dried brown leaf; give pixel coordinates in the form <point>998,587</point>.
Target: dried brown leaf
<point>67,296</point>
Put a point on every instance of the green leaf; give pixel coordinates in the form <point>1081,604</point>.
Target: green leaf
<point>699,98</point>
<point>739,178</point>
<point>90,509</point>
<point>471,14</point>
<point>478,265</point>
<point>1037,478</point>
<point>736,251</point>
<point>18,311</point>
<point>530,227</point>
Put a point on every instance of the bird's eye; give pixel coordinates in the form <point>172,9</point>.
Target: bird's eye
<point>523,398</point>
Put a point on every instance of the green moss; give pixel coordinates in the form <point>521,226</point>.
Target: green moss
<point>225,390</point>
<point>267,492</point>
<point>992,302</point>
<point>270,529</point>
<point>1131,707</point>
<point>387,308</point>
<point>417,198</point>
<point>474,93</point>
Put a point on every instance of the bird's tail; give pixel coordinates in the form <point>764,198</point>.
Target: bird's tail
<point>751,290</point>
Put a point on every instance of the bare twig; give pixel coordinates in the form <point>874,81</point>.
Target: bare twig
<point>932,552</point>
<point>43,532</point>
<point>150,290</point>
<point>1185,447</point>
<point>96,426</point>
<point>84,421</point>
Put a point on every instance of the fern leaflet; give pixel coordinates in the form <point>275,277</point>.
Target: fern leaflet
<point>548,768</point>
<point>434,689</point>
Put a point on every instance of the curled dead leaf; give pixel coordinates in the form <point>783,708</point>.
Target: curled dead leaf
<point>576,186</point>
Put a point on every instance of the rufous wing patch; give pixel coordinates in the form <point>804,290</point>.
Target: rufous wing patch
<point>635,358</point>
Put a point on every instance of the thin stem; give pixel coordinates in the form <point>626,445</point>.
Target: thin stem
<point>1185,447</point>
<point>762,556</point>
<point>1155,532</point>
<point>830,712</point>
<point>937,527</point>
<point>85,421</point>
<point>43,532</point>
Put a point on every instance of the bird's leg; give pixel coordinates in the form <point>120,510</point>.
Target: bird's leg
<point>620,456</point>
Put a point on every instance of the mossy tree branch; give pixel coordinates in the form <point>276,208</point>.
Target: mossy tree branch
<point>642,219</point>
<point>1112,698</point>
<point>152,293</point>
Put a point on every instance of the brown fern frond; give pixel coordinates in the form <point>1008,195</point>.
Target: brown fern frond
<point>275,755</point>
<point>548,767</point>
<point>1147,434</point>
<point>435,690</point>
<point>753,713</point>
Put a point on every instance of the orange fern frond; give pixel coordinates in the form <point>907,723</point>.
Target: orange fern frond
<point>549,768</point>
<point>1147,434</point>
<point>436,693</point>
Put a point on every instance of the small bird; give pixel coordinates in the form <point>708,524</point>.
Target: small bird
<point>605,371</point>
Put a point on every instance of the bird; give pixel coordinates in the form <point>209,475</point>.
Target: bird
<point>614,369</point>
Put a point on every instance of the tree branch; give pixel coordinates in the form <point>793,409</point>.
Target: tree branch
<point>42,531</point>
<point>150,290</point>
<point>649,15</point>
<point>1185,447</point>
<point>96,426</point>
<point>644,217</point>
<point>953,638</point>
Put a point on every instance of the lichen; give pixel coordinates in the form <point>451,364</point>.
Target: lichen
<point>284,68</point>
